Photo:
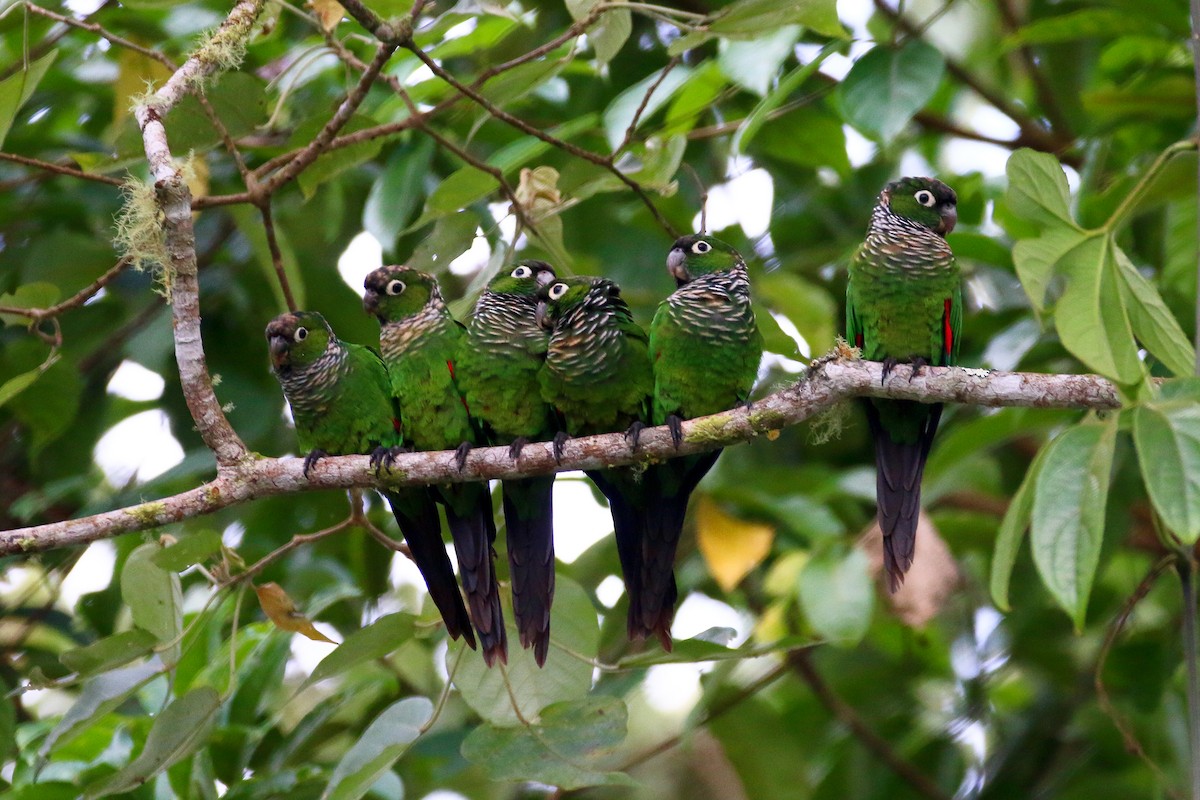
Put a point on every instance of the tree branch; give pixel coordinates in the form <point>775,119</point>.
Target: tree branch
<point>829,381</point>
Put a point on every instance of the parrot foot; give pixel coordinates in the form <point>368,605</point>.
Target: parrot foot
<point>675,423</point>
<point>312,458</point>
<point>381,458</point>
<point>559,440</point>
<point>918,364</point>
<point>889,364</point>
<point>460,455</point>
<point>634,433</point>
<point>514,449</point>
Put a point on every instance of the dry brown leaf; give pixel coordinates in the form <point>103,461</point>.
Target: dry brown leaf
<point>329,12</point>
<point>930,582</point>
<point>280,609</point>
<point>731,547</point>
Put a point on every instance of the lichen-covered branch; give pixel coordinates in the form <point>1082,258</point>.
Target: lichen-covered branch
<point>828,382</point>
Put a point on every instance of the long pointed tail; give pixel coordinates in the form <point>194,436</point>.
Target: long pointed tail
<point>473,531</point>
<point>629,525</point>
<point>673,482</point>
<point>899,467</point>
<point>529,518</point>
<point>416,514</point>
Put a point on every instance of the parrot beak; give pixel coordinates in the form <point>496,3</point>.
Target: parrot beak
<point>278,345</point>
<point>543,319</point>
<point>676,266</point>
<point>370,302</point>
<point>949,218</point>
<point>543,277</point>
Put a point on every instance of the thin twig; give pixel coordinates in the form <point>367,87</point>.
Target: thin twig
<point>1047,98</point>
<point>60,169</point>
<point>276,255</point>
<point>641,109</point>
<point>102,32</point>
<point>75,300</point>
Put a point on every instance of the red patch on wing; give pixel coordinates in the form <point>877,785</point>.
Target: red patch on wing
<point>450,366</point>
<point>947,330</point>
<point>858,341</point>
<point>396,424</point>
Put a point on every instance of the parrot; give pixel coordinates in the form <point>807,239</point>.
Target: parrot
<point>597,377</point>
<point>705,347</point>
<point>904,305</point>
<point>421,344</point>
<point>497,372</point>
<point>342,404</point>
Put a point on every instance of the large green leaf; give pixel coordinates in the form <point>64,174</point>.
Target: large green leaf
<point>788,84</point>
<point>1012,531</point>
<point>567,748</point>
<point>886,87</point>
<point>610,31</point>
<point>109,652</point>
<point>1167,437</point>
<point>1036,260</point>
<point>644,95</point>
<point>396,192</point>
<point>100,695</point>
<point>1067,523</point>
<point>836,594</point>
<point>16,89</point>
<point>154,598</point>
<point>1037,188</point>
<point>39,294</point>
<point>384,741</point>
<point>1153,323</point>
<point>753,64</point>
<point>366,644</point>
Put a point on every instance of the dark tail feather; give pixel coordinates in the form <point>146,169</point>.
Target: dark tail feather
<point>473,533</point>
<point>629,529</point>
<point>529,518</point>
<point>675,481</point>
<point>416,514</point>
<point>898,471</point>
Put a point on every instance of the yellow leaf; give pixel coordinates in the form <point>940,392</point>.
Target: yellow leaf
<point>280,609</point>
<point>731,547</point>
<point>329,12</point>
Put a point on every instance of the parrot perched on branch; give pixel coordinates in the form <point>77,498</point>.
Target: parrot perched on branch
<point>598,379</point>
<point>705,346</point>
<point>342,404</point>
<point>904,305</point>
<point>498,375</point>
<point>421,345</point>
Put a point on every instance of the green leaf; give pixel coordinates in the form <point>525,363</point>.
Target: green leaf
<point>621,112</point>
<point>189,549</point>
<point>568,748</point>
<point>886,87</point>
<point>154,599</point>
<point>111,651</point>
<point>451,237</point>
<point>14,386</point>
<point>835,592</point>
<point>16,89</point>
<point>375,641</point>
<point>1167,438</point>
<point>752,18</point>
<point>8,724</point>
<point>40,294</point>
<point>808,306</point>
<point>1091,317</point>
<point>788,84</point>
<point>1012,531</point>
<point>775,340</point>
<point>1036,259</point>
<point>462,188</point>
<point>565,676</point>
<point>180,730</point>
<point>1153,323</point>
<point>384,741</point>
<point>752,64</point>
<point>249,222</point>
<point>100,695</point>
<point>334,162</point>
<point>1083,24</point>
<point>610,33</point>
<point>1037,188</point>
<point>50,406</point>
<point>396,192</point>
<point>1067,523</point>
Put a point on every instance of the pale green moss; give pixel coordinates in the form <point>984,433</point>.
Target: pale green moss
<point>140,234</point>
<point>708,431</point>
<point>147,513</point>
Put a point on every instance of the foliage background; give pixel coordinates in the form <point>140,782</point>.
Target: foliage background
<point>840,690</point>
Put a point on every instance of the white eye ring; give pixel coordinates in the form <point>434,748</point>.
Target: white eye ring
<point>521,272</point>
<point>925,198</point>
<point>300,335</point>
<point>701,247</point>
<point>395,287</point>
<point>557,291</point>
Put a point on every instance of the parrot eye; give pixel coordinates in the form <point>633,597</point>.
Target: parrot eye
<point>701,247</point>
<point>557,291</point>
<point>925,198</point>
<point>395,287</point>
<point>300,335</point>
<point>521,272</point>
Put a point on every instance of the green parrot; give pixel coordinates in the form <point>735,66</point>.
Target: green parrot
<point>904,305</point>
<point>705,347</point>
<point>598,379</point>
<point>421,345</point>
<point>342,404</point>
<point>497,373</point>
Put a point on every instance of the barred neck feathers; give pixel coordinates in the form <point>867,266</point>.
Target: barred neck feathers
<point>398,336</point>
<point>505,321</point>
<point>898,244</point>
<point>587,340</point>
<point>308,389</point>
<point>715,306</point>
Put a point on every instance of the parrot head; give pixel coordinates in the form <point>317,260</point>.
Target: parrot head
<point>525,278</point>
<point>698,254</point>
<point>396,292</point>
<point>297,339</point>
<point>926,201</point>
<point>563,295</point>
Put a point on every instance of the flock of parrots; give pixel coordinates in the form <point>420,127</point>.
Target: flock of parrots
<point>545,358</point>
